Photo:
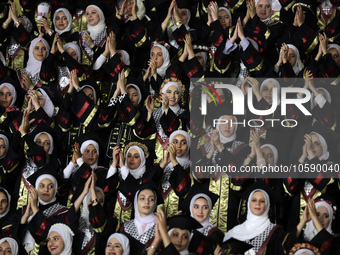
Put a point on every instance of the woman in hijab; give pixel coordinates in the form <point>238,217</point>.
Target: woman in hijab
<point>29,77</point>
<point>325,215</point>
<point>263,10</point>
<point>18,36</point>
<point>177,236</point>
<point>62,22</point>
<point>159,60</point>
<point>118,244</point>
<point>8,108</point>
<point>134,125</point>
<point>223,150</point>
<point>143,226</point>
<point>289,63</point>
<point>5,206</point>
<point>175,167</point>
<point>257,227</point>
<point>135,168</point>
<point>8,245</point>
<point>38,153</point>
<point>168,115</point>
<point>95,36</point>
<point>42,210</point>
<point>60,239</point>
<point>198,204</point>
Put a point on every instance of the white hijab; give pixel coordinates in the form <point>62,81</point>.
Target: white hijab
<point>275,152</point>
<point>66,234</point>
<point>75,47</point>
<point>277,85</point>
<point>33,66</point>
<point>3,137</point>
<point>300,251</point>
<point>175,108</point>
<point>268,20</point>
<point>12,243</point>
<point>298,63</point>
<point>223,138</point>
<point>206,197</point>
<point>138,91</point>
<point>327,94</point>
<point>85,214</point>
<point>8,203</point>
<point>254,225</point>
<point>69,19</point>
<point>185,158</point>
<point>49,106</point>
<point>140,12</point>
<point>229,14</point>
<point>335,46</point>
<point>185,251</point>
<point>140,170</point>
<point>94,92</point>
<point>13,91</point>
<point>166,59</point>
<point>126,56</point>
<point>325,152</point>
<point>148,221</point>
<point>49,137</point>
<point>95,144</point>
<point>55,184</point>
<point>310,231</point>
<point>186,24</point>
<point>124,241</point>
<point>95,30</point>
<point>2,59</point>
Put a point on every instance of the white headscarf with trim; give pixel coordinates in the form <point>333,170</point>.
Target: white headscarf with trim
<point>254,225</point>
<point>69,19</point>
<point>123,240</point>
<point>95,30</point>
<point>66,234</point>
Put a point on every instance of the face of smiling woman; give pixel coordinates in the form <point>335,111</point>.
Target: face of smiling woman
<point>55,243</point>
<point>114,247</point>
<point>61,21</point>
<point>200,210</point>
<point>40,51</point>
<point>92,16</point>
